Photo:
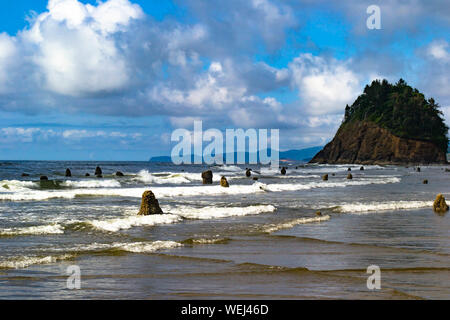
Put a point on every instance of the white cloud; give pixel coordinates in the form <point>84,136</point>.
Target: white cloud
<point>75,48</point>
<point>220,95</point>
<point>438,50</point>
<point>181,43</point>
<point>273,19</point>
<point>212,89</point>
<point>11,135</point>
<point>435,78</point>
<point>8,51</point>
<point>325,86</point>
<point>76,134</point>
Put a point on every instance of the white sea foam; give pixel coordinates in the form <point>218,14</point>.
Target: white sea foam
<point>134,247</point>
<point>26,261</point>
<point>325,168</point>
<point>29,195</point>
<point>220,212</point>
<point>146,247</point>
<point>207,241</point>
<point>160,192</point>
<point>177,214</point>
<point>187,191</point>
<point>166,177</point>
<point>359,207</point>
<point>293,223</point>
<point>16,185</point>
<point>327,184</point>
<point>308,176</point>
<point>231,168</point>
<point>184,177</point>
<point>100,183</point>
<point>269,171</point>
<point>35,230</point>
<point>114,225</point>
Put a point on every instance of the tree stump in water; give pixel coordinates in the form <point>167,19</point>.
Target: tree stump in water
<point>207,177</point>
<point>149,204</point>
<point>224,183</point>
<point>439,205</point>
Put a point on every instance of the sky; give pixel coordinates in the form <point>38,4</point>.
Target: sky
<point>111,80</point>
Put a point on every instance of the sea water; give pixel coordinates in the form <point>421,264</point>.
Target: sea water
<point>256,239</point>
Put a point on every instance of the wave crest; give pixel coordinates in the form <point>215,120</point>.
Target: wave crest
<point>295,222</point>
<point>35,230</point>
<point>359,207</point>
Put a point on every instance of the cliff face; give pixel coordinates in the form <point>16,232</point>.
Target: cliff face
<point>366,143</point>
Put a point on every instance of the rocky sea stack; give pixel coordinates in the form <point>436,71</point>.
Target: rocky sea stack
<point>389,124</point>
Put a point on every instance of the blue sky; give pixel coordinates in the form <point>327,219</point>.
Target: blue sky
<point>111,80</point>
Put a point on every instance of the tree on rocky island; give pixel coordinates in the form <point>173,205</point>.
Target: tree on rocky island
<point>402,110</point>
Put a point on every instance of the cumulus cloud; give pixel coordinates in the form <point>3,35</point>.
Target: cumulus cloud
<point>211,89</point>
<point>74,47</point>
<point>435,79</point>
<point>325,86</point>
<point>12,135</point>
<point>8,52</point>
<point>223,93</point>
<point>439,50</point>
<point>243,24</point>
<point>77,134</point>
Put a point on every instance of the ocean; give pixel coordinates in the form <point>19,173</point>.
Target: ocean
<point>257,239</point>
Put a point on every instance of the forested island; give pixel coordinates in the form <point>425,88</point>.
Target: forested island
<point>389,123</point>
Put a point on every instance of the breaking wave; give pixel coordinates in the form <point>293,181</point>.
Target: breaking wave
<point>194,241</point>
<point>168,192</point>
<point>165,177</point>
<point>16,185</point>
<point>92,184</point>
<point>35,230</point>
<point>26,261</point>
<point>231,168</point>
<point>160,192</point>
<point>327,184</point>
<point>293,223</point>
<point>177,214</point>
<point>133,247</point>
<point>359,207</point>
<point>114,225</point>
<point>221,212</point>
<point>146,247</point>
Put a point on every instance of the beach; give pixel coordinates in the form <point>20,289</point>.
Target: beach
<point>257,239</point>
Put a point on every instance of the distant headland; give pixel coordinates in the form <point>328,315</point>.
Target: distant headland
<point>389,124</point>
<point>295,155</point>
